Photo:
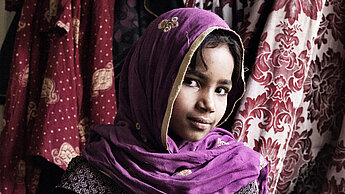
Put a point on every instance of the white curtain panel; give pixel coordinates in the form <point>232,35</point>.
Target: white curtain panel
<point>5,21</point>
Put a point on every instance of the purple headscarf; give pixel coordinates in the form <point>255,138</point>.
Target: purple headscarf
<point>137,152</point>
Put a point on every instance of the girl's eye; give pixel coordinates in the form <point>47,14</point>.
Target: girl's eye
<point>222,91</point>
<point>190,82</point>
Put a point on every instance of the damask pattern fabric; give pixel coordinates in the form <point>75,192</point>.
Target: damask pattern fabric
<point>131,19</point>
<point>293,110</point>
<point>61,82</point>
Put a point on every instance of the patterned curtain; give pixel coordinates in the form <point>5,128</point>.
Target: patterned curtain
<point>293,110</point>
<point>61,81</point>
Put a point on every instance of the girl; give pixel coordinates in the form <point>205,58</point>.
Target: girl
<point>179,82</point>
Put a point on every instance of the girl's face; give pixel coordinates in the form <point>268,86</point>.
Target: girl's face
<point>202,100</point>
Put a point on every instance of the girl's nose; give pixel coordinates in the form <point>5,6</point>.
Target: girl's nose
<point>206,102</point>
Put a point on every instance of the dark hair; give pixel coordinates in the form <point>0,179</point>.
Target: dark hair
<point>214,39</point>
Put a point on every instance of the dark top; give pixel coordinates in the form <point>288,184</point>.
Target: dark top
<point>81,177</point>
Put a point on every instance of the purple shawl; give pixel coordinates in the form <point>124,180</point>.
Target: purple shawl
<point>137,152</point>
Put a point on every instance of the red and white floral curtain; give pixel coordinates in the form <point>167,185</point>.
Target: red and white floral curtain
<point>293,110</point>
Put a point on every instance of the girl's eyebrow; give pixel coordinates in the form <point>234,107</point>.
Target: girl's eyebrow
<point>204,77</point>
<point>197,73</point>
<point>225,82</point>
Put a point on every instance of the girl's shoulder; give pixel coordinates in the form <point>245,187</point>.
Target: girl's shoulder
<point>251,188</point>
<point>81,177</point>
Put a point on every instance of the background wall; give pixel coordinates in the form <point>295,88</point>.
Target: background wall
<point>5,21</point>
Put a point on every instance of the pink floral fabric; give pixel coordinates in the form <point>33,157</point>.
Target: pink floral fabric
<point>61,82</point>
<point>293,110</point>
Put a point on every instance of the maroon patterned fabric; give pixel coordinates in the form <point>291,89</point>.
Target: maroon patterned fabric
<point>61,81</point>
<point>293,111</point>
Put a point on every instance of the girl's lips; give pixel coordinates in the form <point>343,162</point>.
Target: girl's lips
<point>200,123</point>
